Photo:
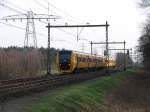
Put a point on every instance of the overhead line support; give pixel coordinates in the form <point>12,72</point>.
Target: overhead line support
<point>88,25</point>
<point>48,53</point>
<point>69,26</point>
<point>107,53</point>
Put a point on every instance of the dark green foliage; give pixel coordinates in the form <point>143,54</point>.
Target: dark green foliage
<point>144,45</point>
<point>144,41</point>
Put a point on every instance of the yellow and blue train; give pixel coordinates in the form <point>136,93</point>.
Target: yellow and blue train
<point>72,61</point>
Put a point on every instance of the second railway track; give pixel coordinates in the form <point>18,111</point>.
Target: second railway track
<point>9,87</point>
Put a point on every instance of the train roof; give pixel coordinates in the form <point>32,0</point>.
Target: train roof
<point>82,53</point>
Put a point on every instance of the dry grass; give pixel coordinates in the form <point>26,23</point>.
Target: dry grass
<point>132,96</point>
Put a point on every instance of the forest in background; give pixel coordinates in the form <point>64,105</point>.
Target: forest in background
<point>18,62</point>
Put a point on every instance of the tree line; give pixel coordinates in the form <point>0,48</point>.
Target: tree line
<point>18,62</point>
<point>144,40</point>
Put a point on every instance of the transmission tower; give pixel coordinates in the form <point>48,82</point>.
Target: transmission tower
<point>30,33</point>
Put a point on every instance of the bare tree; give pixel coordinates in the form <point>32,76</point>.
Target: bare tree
<point>21,62</point>
<point>145,3</point>
<point>144,41</point>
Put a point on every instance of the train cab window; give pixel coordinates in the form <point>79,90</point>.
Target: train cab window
<point>65,56</point>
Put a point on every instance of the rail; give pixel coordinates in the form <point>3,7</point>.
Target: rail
<point>8,87</point>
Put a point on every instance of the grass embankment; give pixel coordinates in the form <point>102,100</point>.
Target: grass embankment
<point>86,97</point>
<point>132,96</point>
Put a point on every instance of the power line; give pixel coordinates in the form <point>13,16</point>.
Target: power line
<point>63,12</point>
<point>76,19</point>
<point>61,30</point>
<point>13,26</point>
<point>8,2</point>
<point>30,27</point>
<point>10,8</point>
<point>40,4</point>
<point>20,28</point>
<point>43,6</point>
<point>67,32</point>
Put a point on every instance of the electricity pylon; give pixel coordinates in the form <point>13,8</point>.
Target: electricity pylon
<point>30,34</point>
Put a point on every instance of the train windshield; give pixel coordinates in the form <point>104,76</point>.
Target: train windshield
<point>65,57</point>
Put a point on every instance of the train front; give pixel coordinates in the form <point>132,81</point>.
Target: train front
<point>64,60</point>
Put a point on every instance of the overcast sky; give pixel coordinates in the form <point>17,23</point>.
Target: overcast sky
<point>124,17</point>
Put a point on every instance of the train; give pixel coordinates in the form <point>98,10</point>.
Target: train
<point>73,61</point>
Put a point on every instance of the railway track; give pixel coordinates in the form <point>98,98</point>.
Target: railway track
<point>8,87</point>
